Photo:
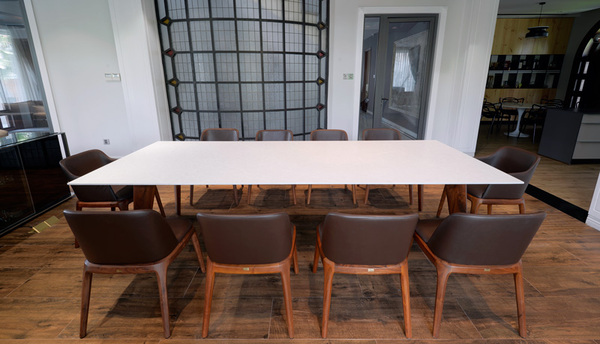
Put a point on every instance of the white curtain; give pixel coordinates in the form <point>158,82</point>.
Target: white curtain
<point>403,73</point>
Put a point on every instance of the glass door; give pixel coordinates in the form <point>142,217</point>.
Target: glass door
<point>400,50</point>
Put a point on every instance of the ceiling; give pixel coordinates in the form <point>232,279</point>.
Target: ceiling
<point>552,7</point>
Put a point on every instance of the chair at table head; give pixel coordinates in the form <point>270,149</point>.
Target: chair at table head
<point>365,244</point>
<point>104,196</point>
<point>517,162</point>
<point>329,135</point>
<point>274,135</point>
<point>478,244</point>
<point>130,242</point>
<point>249,244</point>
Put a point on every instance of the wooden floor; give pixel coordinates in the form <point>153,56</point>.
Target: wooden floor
<point>573,183</point>
<point>40,281</point>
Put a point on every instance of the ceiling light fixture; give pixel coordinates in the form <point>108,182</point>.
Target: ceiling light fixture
<point>538,31</point>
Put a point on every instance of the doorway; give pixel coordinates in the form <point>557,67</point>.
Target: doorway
<point>397,56</point>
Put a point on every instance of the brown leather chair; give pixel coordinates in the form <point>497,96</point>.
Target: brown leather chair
<point>216,134</point>
<point>384,134</point>
<point>517,162</point>
<point>274,135</point>
<point>249,244</point>
<point>478,244</point>
<point>365,244</point>
<point>329,135</point>
<point>130,242</point>
<point>98,196</point>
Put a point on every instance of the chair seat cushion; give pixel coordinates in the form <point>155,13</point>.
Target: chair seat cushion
<point>425,228</point>
<point>180,226</point>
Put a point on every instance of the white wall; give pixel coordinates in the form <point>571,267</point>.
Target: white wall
<point>83,39</point>
<point>593,218</point>
<point>80,41</point>
<point>464,43</point>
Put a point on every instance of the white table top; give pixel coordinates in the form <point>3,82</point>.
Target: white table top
<point>296,162</point>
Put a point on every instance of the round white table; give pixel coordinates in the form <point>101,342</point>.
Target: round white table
<point>520,107</point>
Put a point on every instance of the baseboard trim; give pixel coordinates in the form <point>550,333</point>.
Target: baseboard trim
<point>558,203</point>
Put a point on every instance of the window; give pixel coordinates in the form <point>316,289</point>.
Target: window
<point>245,64</point>
<point>584,85</point>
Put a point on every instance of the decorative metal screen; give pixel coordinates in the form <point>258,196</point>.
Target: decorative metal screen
<point>245,64</point>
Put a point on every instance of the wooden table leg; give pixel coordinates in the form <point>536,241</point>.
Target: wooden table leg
<point>457,198</point>
<point>178,199</point>
<point>143,196</point>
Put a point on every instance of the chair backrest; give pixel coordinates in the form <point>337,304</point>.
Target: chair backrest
<point>274,135</point>
<point>553,103</point>
<point>517,162</point>
<point>537,111</point>
<point>381,134</point>
<point>220,134</point>
<point>367,239</point>
<point>123,237</point>
<point>85,162</point>
<point>473,239</point>
<point>328,135</point>
<point>247,239</point>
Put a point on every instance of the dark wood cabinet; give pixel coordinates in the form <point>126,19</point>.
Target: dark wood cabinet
<point>31,180</point>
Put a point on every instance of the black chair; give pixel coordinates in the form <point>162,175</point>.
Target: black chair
<point>552,103</point>
<point>507,110</point>
<point>274,135</point>
<point>492,111</point>
<point>130,242</point>
<point>249,244</point>
<point>367,245</point>
<point>536,116</point>
<point>478,244</point>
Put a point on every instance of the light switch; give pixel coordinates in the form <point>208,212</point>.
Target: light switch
<point>112,76</point>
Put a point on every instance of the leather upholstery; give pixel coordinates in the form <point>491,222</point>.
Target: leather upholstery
<point>220,134</point>
<point>381,134</point>
<point>274,135</point>
<point>517,162</point>
<point>247,239</point>
<point>367,239</point>
<point>473,239</point>
<point>82,163</point>
<point>126,237</point>
<point>328,135</point>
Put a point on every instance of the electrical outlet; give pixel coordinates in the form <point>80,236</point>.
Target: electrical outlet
<point>106,141</point>
<point>348,76</point>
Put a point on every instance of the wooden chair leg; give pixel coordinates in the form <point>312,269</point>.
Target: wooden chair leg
<point>489,209</point>
<point>191,195</point>
<point>442,280</point>
<point>520,295</point>
<point>410,194</point>
<point>161,276</point>
<point>236,197</point>
<point>367,189</point>
<point>249,193</point>
<point>420,196</point>
<point>159,202</point>
<point>295,259</point>
<point>353,194</point>
<point>406,300</point>
<point>308,195</point>
<point>316,258</point>
<point>522,207</point>
<point>208,294</point>
<point>293,194</point>
<point>198,250</point>
<point>287,298</point>
<point>328,268</point>
<point>475,203</point>
<point>441,205</point>
<point>86,289</point>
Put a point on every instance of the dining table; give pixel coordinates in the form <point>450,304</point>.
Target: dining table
<point>420,162</point>
<point>520,107</point>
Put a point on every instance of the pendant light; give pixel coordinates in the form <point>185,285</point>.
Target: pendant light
<point>538,31</point>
